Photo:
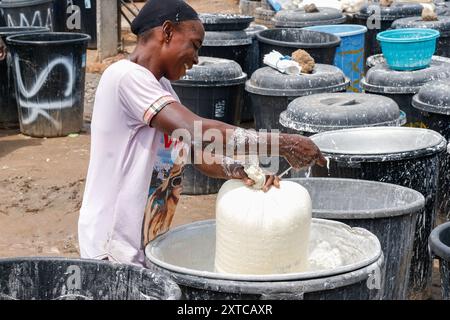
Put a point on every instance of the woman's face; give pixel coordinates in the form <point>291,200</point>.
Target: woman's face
<point>182,51</point>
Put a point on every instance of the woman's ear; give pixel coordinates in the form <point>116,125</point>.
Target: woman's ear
<point>168,29</point>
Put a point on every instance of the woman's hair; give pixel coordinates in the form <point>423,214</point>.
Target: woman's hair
<point>156,12</point>
<point>146,35</point>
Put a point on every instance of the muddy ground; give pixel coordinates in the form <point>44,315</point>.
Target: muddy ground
<point>42,180</point>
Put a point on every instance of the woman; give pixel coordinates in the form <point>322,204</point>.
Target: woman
<point>136,116</point>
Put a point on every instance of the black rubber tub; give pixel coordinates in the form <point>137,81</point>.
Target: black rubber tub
<point>49,73</point>
<point>213,89</point>
<point>440,246</point>
<point>321,46</point>
<point>9,116</point>
<point>433,106</point>
<point>410,157</point>
<point>387,210</point>
<point>401,86</point>
<point>38,278</point>
<point>299,18</point>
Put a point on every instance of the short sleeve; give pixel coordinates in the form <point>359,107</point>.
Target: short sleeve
<point>142,96</point>
<point>167,85</point>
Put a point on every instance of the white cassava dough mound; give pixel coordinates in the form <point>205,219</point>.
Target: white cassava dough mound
<point>262,233</point>
<point>324,257</point>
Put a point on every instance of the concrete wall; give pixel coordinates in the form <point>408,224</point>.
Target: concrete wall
<point>107,29</point>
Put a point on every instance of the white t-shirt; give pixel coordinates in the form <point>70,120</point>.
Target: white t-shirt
<point>132,184</point>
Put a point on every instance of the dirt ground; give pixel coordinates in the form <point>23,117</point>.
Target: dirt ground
<point>42,180</point>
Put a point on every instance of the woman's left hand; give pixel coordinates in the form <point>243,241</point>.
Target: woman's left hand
<point>271,180</point>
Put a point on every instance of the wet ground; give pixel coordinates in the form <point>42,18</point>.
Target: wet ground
<point>42,180</point>
<point>42,183</point>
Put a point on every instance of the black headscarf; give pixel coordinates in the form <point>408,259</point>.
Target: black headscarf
<point>155,12</point>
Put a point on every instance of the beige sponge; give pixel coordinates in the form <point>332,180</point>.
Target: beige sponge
<point>386,3</point>
<point>304,60</point>
<point>429,15</point>
<point>310,8</point>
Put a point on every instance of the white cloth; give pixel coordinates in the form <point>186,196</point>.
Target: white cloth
<point>124,150</point>
<point>276,61</point>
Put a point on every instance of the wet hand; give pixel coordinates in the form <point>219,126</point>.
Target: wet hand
<point>271,180</point>
<point>300,151</point>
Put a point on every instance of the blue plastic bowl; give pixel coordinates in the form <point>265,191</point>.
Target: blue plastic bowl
<point>408,49</point>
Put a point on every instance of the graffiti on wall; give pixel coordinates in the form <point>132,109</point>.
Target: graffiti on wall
<point>37,19</point>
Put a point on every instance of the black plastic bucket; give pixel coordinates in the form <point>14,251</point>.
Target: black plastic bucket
<point>77,16</point>
<point>372,14</point>
<point>251,65</point>
<point>186,254</point>
<point>225,22</point>
<point>230,37</point>
<point>323,112</point>
<point>388,211</point>
<point>440,247</point>
<point>75,279</point>
<point>410,157</point>
<point>442,25</point>
<point>271,91</point>
<point>334,111</point>
<point>442,8</point>
<point>433,107</point>
<point>401,86</point>
<point>49,72</point>
<point>225,37</point>
<point>299,18</point>
<point>9,117</point>
<point>27,13</point>
<point>321,46</point>
<point>213,89</point>
<point>252,62</point>
<point>230,45</point>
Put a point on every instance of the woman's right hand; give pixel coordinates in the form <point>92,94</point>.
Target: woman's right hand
<point>300,151</point>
